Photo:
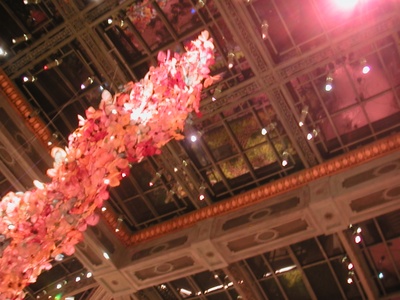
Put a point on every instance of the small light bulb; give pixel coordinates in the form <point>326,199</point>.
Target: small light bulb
<point>350,266</point>
<point>357,239</point>
<point>366,69</point>
<point>264,131</point>
<point>349,280</point>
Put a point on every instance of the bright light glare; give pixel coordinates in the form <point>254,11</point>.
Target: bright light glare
<point>284,163</point>
<point>346,4</point>
<point>366,69</point>
<point>349,280</point>
<point>357,239</point>
<point>328,87</point>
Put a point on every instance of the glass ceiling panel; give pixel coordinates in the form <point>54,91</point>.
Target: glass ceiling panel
<point>183,15</point>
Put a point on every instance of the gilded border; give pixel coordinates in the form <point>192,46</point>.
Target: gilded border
<point>336,165</point>
<point>18,101</point>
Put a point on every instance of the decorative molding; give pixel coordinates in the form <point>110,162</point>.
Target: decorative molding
<point>17,101</point>
<point>339,164</point>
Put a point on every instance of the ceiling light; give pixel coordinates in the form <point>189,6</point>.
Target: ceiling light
<point>264,29</point>
<point>155,178</point>
<point>231,59</point>
<point>78,278</point>
<point>89,274</point>
<point>328,82</point>
<point>22,38</point>
<point>103,209</point>
<point>52,64</point>
<point>87,82</point>
<point>26,2</point>
<point>119,222</point>
<point>59,286</point>
<point>314,133</point>
<point>303,115</point>
<point>285,158</point>
<point>217,91</point>
<point>350,266</point>
<point>201,3</point>
<point>285,269</point>
<point>185,293</point>
<point>202,194</point>
<point>346,4</point>
<point>3,52</point>
<point>268,128</point>
<point>349,280</point>
<point>380,275</point>
<point>59,257</point>
<point>169,197</point>
<point>365,67</point>
<point>106,256</point>
<point>29,78</point>
<point>357,239</point>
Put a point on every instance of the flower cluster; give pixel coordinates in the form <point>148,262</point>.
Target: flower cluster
<point>40,224</point>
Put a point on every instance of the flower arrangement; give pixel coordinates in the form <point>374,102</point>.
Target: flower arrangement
<point>39,225</point>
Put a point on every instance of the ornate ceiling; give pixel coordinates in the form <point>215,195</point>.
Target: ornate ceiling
<point>274,59</point>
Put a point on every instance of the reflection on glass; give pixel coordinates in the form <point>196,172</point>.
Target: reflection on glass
<point>182,15</point>
<point>293,285</point>
<point>234,167</point>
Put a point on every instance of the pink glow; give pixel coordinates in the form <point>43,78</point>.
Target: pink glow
<point>346,4</point>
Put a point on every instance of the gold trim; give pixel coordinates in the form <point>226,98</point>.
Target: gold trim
<point>336,165</point>
<point>18,101</point>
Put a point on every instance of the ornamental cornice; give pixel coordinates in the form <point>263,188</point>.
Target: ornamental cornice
<point>336,165</point>
<point>18,102</point>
